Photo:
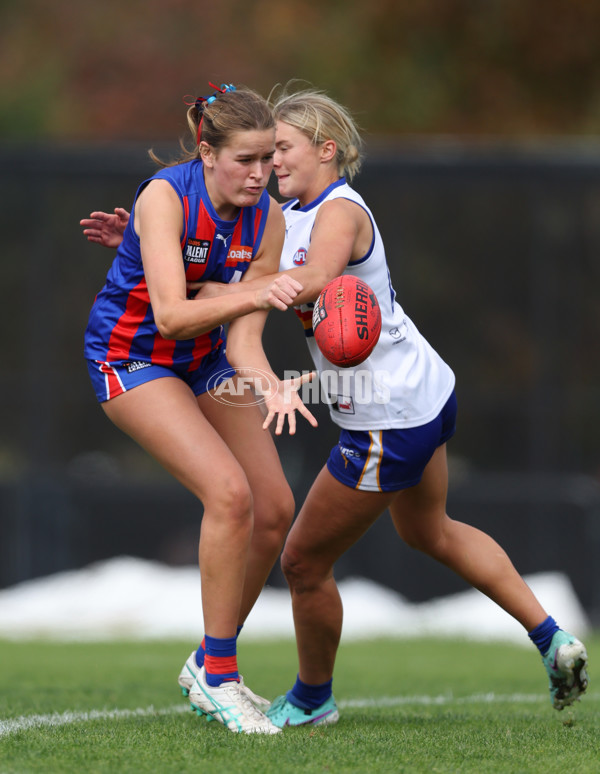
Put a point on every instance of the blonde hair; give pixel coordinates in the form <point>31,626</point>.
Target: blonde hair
<point>216,121</point>
<point>321,118</point>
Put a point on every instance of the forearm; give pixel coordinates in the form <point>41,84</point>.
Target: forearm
<point>244,346</point>
<point>188,318</point>
<point>252,358</point>
<point>312,277</point>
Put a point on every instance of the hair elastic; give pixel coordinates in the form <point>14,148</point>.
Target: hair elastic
<point>201,102</point>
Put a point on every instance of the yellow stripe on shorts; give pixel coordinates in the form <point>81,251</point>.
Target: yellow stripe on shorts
<point>370,471</point>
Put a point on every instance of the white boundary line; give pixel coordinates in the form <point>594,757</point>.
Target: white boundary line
<point>28,722</point>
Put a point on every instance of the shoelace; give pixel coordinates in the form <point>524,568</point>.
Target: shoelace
<point>254,697</point>
<point>240,692</point>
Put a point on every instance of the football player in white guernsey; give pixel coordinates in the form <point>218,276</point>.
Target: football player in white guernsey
<point>392,448</point>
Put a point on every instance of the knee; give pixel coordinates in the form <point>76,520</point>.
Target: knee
<point>415,540</point>
<point>300,570</point>
<point>291,566</point>
<point>427,540</point>
<point>230,502</point>
<point>284,513</point>
<point>273,520</point>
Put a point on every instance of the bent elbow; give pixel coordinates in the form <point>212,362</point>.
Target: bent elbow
<point>166,327</point>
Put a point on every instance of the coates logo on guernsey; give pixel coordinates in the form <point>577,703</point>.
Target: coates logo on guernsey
<point>252,386</point>
<point>238,254</point>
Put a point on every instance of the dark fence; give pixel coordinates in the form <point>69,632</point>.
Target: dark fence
<point>495,254</point>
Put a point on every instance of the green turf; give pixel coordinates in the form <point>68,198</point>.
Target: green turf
<point>406,706</point>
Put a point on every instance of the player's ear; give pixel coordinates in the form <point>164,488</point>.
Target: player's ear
<point>328,150</point>
<point>207,154</point>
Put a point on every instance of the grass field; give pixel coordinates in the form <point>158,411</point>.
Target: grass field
<point>406,706</point>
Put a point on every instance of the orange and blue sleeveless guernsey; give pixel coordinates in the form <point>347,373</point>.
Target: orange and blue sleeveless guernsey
<point>121,326</point>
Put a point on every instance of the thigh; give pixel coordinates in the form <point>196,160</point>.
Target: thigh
<point>333,517</point>
<point>419,513</point>
<point>164,418</point>
<point>239,423</point>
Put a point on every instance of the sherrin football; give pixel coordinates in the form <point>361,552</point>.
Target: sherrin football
<point>346,321</point>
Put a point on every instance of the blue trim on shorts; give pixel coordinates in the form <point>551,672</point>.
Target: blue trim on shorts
<point>390,460</point>
<point>112,379</point>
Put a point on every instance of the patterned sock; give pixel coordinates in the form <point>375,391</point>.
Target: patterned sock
<point>220,660</point>
<point>542,635</point>
<point>201,650</point>
<point>309,696</point>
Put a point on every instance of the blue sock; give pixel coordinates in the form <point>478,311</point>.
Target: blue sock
<point>542,635</point>
<point>308,696</point>
<point>220,659</point>
<point>200,651</point>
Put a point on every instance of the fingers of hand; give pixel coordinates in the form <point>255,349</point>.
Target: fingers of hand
<point>280,423</point>
<point>268,420</point>
<point>292,422</point>
<point>308,415</point>
<point>304,378</point>
<point>277,304</point>
<point>283,291</point>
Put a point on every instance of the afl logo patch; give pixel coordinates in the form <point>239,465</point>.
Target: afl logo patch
<point>300,257</point>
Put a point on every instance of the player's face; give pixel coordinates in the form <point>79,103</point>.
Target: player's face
<point>238,173</point>
<point>296,164</point>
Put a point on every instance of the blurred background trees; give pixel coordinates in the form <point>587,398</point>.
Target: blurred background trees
<point>115,70</point>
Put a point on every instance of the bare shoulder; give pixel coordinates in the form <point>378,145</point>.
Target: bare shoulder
<point>342,209</point>
<point>157,196</point>
<point>275,221</point>
<point>275,212</point>
<point>158,211</point>
<point>269,252</point>
<point>341,215</point>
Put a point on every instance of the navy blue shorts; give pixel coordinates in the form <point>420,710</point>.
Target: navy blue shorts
<point>390,460</point>
<point>112,379</point>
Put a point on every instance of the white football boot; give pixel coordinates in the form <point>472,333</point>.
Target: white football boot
<point>188,674</point>
<point>231,703</point>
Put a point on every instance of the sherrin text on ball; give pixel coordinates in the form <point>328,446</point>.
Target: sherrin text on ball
<point>346,321</point>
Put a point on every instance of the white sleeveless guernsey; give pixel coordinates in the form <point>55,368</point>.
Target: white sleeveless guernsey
<point>404,382</point>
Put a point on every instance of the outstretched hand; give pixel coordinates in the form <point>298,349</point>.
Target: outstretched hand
<point>285,401</point>
<point>104,228</point>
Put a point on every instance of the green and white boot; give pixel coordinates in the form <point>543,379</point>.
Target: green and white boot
<point>283,713</point>
<point>566,664</point>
